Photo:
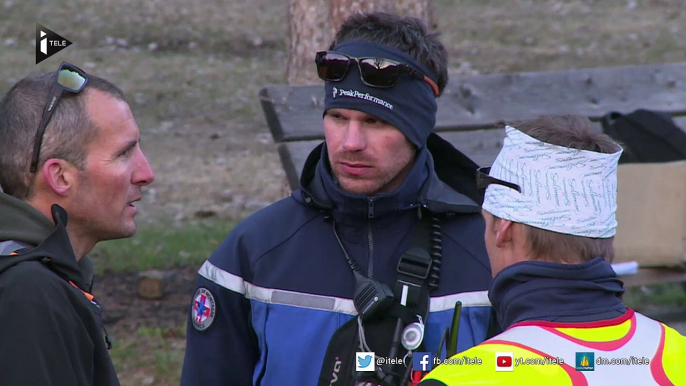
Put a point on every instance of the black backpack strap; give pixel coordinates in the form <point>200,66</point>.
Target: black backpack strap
<point>7,247</point>
<point>13,253</point>
<point>339,360</point>
<point>419,266</point>
<point>418,274</point>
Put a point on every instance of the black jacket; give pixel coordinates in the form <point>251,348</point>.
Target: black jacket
<point>51,331</point>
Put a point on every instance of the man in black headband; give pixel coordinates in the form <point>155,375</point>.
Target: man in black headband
<point>278,302</point>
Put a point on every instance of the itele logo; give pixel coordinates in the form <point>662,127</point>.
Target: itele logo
<point>48,43</point>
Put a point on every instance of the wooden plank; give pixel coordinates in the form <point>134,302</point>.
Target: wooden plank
<point>655,275</point>
<point>293,156</point>
<point>468,103</point>
<point>482,146</point>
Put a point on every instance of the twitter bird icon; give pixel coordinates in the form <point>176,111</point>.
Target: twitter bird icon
<point>365,361</point>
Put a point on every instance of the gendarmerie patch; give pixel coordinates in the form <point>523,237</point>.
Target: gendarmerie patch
<point>204,309</point>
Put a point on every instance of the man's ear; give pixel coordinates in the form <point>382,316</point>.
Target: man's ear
<point>59,176</point>
<point>504,230</point>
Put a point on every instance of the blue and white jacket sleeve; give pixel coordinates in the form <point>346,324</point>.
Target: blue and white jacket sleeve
<point>221,345</point>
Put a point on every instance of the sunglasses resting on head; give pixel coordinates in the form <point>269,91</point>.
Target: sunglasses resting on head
<point>69,78</point>
<point>374,72</point>
<point>483,180</point>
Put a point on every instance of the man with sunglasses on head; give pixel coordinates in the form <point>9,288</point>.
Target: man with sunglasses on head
<point>550,203</point>
<point>276,304</point>
<point>71,169</point>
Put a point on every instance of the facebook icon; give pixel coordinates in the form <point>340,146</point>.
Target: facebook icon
<point>422,361</point>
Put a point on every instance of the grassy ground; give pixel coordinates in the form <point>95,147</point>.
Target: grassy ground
<point>192,73</point>
<point>149,355</point>
<point>158,247</point>
<point>665,296</point>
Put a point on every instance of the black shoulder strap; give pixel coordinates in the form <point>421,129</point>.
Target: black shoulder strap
<point>418,270</point>
<point>7,247</point>
<point>12,253</point>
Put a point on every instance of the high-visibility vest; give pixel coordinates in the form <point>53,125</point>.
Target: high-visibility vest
<point>627,351</point>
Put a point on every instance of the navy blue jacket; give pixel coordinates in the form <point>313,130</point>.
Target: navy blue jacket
<point>554,292</point>
<point>281,286</point>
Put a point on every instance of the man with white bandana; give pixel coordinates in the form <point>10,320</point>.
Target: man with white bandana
<point>549,206</point>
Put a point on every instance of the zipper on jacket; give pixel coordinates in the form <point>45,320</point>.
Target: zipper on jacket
<point>370,207</point>
<point>91,298</point>
<point>370,240</point>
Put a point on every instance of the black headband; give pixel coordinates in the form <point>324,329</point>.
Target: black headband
<point>410,105</point>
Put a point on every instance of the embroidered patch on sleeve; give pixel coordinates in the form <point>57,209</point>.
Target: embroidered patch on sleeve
<point>204,309</point>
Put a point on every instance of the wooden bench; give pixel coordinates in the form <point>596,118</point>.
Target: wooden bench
<point>471,107</point>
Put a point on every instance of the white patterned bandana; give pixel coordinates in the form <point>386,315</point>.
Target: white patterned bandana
<point>564,190</point>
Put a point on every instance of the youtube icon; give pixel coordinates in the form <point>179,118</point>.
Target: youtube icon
<point>503,361</point>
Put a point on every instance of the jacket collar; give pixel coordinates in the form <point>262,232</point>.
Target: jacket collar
<point>54,249</point>
<point>22,222</point>
<point>451,190</point>
<point>542,290</point>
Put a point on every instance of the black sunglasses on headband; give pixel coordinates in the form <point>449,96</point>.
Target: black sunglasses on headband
<point>374,72</point>
<point>68,78</point>
<point>483,180</point>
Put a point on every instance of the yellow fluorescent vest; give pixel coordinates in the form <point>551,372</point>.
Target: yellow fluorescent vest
<point>629,350</point>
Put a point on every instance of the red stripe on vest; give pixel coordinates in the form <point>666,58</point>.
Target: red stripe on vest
<point>656,368</point>
<point>603,346</point>
<point>577,378</point>
<point>629,314</point>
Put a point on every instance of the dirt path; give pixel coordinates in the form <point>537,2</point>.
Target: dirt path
<point>118,295</point>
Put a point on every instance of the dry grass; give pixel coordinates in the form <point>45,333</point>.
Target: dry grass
<point>528,35</point>
<point>149,355</point>
<point>192,72</point>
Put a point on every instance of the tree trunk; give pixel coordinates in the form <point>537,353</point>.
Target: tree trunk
<point>313,24</point>
<point>310,30</point>
<point>421,9</point>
